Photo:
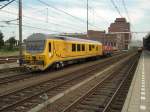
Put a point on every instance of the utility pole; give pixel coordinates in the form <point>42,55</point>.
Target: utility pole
<point>87,18</point>
<point>47,15</point>
<point>20,32</point>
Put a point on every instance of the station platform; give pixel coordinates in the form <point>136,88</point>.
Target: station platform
<point>8,65</point>
<point>138,98</point>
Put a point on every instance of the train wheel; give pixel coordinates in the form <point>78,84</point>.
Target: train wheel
<point>62,64</point>
<point>57,66</point>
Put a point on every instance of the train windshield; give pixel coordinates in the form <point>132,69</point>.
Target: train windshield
<point>35,46</point>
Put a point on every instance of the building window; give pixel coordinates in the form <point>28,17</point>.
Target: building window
<point>78,47</point>
<point>49,47</point>
<point>83,47</point>
<point>73,47</point>
<point>111,43</point>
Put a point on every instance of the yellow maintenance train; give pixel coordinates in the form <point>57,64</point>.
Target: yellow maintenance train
<point>44,51</point>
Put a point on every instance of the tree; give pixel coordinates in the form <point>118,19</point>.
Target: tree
<point>11,43</point>
<point>1,40</point>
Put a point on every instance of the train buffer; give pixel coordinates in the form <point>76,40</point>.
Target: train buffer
<point>138,98</point>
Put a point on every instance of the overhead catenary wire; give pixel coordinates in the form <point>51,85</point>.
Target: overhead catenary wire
<point>7,4</point>
<point>70,26</point>
<point>8,21</point>
<point>98,16</point>
<point>127,13</point>
<point>66,22</point>
<point>42,21</point>
<point>77,18</point>
<point>53,17</point>
<point>28,26</point>
<point>126,10</point>
<point>117,9</point>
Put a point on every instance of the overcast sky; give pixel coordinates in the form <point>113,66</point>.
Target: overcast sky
<point>101,14</point>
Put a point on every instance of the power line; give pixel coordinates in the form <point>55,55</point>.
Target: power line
<point>40,20</point>
<point>42,2</point>
<point>100,16</point>
<point>60,10</point>
<point>35,10</point>
<point>127,13</point>
<point>124,5</point>
<point>28,26</point>
<point>7,4</point>
<point>117,9</point>
<point>8,21</point>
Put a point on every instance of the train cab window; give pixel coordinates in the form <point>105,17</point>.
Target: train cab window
<point>78,47</point>
<point>73,47</point>
<point>50,47</point>
<point>83,47</point>
<point>90,47</point>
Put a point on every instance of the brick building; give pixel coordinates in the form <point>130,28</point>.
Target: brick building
<point>122,26</point>
<point>101,36</point>
<point>117,40</point>
<point>97,35</point>
<point>92,35</point>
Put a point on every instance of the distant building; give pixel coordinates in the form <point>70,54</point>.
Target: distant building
<point>92,35</point>
<point>97,35</point>
<point>101,36</point>
<point>122,26</point>
<point>113,37</point>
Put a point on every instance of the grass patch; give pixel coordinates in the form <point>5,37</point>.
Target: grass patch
<point>9,53</point>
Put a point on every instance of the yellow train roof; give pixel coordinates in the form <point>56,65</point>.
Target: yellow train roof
<point>41,36</point>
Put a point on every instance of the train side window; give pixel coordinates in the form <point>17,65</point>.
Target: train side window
<point>83,47</point>
<point>50,47</point>
<point>93,46</point>
<point>96,48</point>
<point>78,47</point>
<point>90,47</point>
<point>73,47</point>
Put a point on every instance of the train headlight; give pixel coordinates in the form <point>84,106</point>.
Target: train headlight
<point>27,57</point>
<point>49,55</point>
<point>41,57</point>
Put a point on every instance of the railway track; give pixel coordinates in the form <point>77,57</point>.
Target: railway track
<point>9,75</point>
<point>26,98</point>
<point>8,59</point>
<point>14,69</point>
<point>109,94</point>
<point>16,77</point>
<point>22,73</point>
<point>11,59</point>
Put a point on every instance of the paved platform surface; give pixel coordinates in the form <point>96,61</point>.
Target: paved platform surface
<point>138,99</point>
<point>9,65</point>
